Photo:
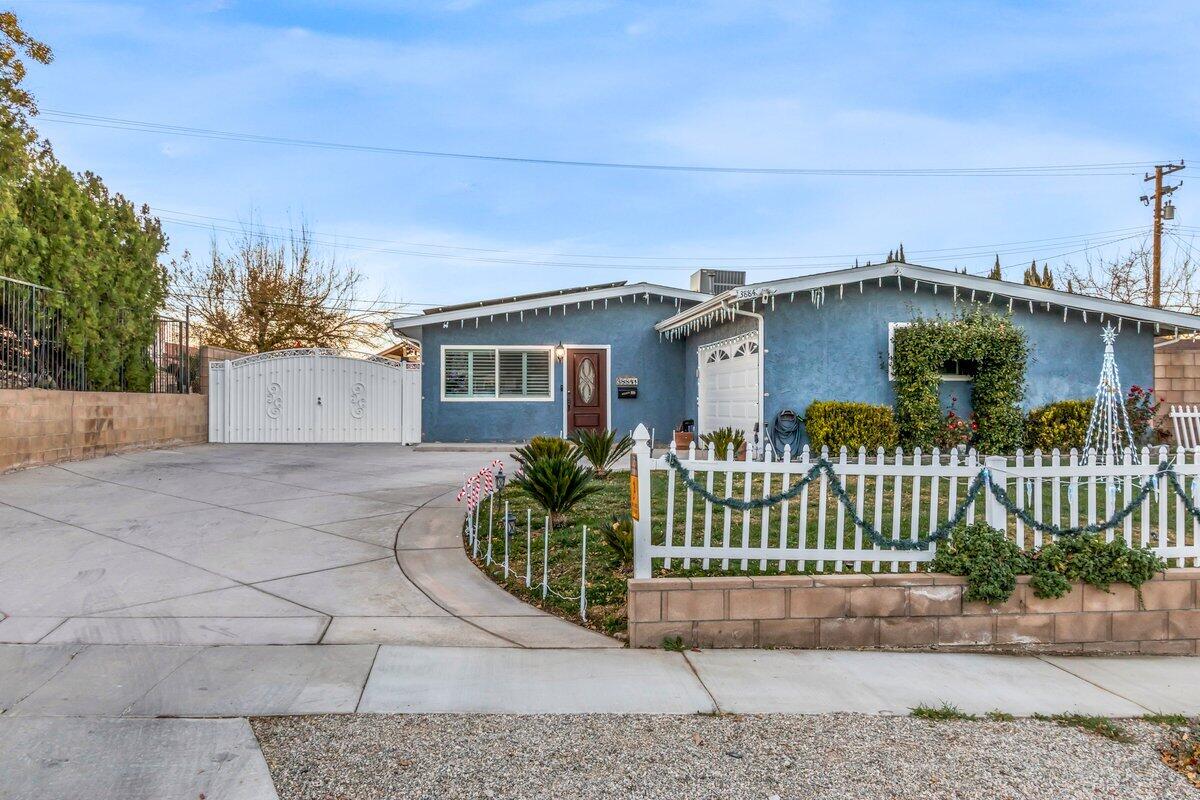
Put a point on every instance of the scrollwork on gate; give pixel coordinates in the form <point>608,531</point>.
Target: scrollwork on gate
<point>358,400</point>
<point>274,400</point>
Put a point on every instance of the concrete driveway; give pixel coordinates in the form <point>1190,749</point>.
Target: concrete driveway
<point>254,545</point>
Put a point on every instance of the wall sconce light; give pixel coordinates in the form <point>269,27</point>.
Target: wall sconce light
<point>560,352</point>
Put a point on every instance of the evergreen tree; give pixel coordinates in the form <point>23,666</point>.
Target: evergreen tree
<point>995,273</point>
<point>69,232</point>
<point>900,254</point>
<point>1047,277</point>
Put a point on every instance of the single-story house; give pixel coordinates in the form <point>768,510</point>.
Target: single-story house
<point>618,354</point>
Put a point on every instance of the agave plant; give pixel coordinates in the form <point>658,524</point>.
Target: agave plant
<point>540,447</point>
<point>557,483</point>
<point>601,448</point>
<point>722,438</point>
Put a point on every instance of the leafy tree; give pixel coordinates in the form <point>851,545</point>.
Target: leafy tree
<point>263,293</point>
<point>69,232</point>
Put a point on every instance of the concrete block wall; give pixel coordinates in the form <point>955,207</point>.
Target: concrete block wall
<point>1177,373</point>
<point>41,426</point>
<point>918,610</point>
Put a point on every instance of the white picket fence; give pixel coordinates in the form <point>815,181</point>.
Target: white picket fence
<point>1185,422</point>
<point>905,496</point>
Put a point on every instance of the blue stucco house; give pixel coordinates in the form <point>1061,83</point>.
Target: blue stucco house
<point>618,354</point>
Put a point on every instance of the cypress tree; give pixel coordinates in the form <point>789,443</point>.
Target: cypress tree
<point>995,273</point>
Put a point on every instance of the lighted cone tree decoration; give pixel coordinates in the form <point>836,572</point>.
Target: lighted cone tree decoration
<point>1108,432</point>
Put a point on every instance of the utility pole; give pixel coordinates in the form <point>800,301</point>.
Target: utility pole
<point>1160,192</point>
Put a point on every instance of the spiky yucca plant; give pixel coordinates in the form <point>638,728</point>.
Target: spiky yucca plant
<point>601,448</point>
<point>557,483</point>
<point>545,447</point>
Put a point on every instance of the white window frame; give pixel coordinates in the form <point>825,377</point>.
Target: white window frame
<point>892,326</point>
<point>496,348</point>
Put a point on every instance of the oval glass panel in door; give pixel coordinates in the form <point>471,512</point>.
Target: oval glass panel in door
<point>585,381</point>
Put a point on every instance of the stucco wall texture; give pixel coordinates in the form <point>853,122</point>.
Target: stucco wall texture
<point>627,327</point>
<point>833,351</point>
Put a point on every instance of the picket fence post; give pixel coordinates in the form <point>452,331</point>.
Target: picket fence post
<point>995,514</point>
<point>640,483</point>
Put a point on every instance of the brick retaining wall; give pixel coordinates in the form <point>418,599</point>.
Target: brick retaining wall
<point>41,426</point>
<point>918,610</point>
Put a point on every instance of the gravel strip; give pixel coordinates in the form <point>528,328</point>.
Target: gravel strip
<point>353,757</point>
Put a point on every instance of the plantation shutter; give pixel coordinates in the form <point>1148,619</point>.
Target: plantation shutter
<point>524,373</point>
<point>483,373</point>
<point>470,373</point>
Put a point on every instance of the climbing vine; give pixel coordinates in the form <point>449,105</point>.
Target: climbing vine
<point>993,345</point>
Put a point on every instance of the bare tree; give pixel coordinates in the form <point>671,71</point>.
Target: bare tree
<point>1128,278</point>
<point>266,293</point>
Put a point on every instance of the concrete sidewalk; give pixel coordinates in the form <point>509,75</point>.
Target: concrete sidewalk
<point>139,721</point>
<point>238,681</point>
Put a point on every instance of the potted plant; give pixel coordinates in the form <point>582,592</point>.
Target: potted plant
<point>722,439</point>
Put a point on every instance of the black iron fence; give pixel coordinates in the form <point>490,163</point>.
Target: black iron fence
<point>35,351</point>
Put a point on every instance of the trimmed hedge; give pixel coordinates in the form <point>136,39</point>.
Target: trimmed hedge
<point>1061,425</point>
<point>835,424</point>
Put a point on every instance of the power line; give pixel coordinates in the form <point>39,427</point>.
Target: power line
<point>389,306</point>
<point>170,214</point>
<point>1046,170</point>
<point>965,253</point>
<point>386,308</point>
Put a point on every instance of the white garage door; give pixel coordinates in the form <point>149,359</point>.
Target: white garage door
<point>314,395</point>
<point>730,386</point>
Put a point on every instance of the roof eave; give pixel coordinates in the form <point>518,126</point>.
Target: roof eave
<point>918,273</point>
<point>424,320</point>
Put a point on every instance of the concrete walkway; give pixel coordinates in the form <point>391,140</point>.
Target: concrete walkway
<point>253,545</point>
<point>153,601</point>
<point>150,721</point>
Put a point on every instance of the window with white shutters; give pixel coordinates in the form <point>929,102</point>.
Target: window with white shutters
<point>496,373</point>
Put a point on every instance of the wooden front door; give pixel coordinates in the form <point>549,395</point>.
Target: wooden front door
<point>587,390</point>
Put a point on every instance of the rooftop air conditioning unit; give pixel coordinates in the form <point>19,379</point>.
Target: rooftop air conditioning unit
<point>715,281</point>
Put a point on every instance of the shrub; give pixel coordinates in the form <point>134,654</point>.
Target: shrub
<point>602,449</point>
<point>835,424</point>
<point>1092,560</point>
<point>996,347</point>
<point>721,439</point>
<point>618,535</point>
<point>957,430</point>
<point>557,483</point>
<point>540,447</point>
<point>991,563</point>
<point>1142,407</point>
<point>1060,425</point>
<point>985,557</point>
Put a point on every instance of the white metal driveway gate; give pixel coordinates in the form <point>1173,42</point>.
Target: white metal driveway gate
<point>314,395</point>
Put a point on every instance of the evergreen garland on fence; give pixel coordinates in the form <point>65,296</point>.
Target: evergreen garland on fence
<point>982,479</point>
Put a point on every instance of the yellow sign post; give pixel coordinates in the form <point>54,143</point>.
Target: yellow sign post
<point>633,486</point>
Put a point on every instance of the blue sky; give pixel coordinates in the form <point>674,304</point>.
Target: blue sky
<point>761,84</point>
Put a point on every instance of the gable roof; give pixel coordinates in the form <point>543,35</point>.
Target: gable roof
<point>528,302</point>
<point>911,277</point>
<point>519,297</point>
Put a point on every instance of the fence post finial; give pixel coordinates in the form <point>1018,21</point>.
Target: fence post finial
<point>639,478</point>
